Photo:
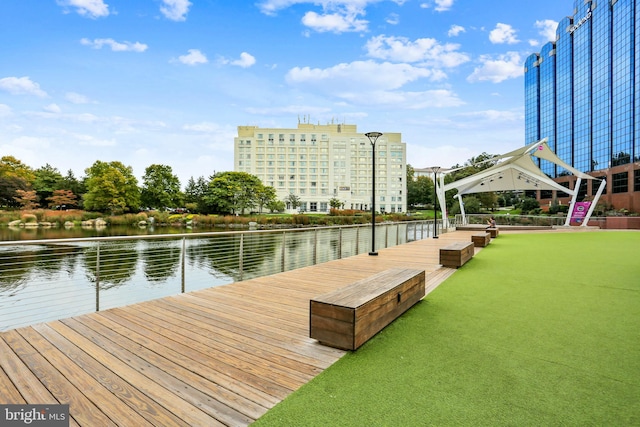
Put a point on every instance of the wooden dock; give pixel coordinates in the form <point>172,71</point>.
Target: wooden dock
<point>219,356</point>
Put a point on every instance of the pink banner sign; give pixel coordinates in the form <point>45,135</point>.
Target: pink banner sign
<point>580,210</point>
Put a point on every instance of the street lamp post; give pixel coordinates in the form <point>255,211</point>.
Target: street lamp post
<point>373,137</point>
<point>435,170</point>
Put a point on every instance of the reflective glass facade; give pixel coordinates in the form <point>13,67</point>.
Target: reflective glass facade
<point>582,91</point>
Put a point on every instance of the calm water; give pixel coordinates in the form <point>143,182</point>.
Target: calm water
<point>42,282</point>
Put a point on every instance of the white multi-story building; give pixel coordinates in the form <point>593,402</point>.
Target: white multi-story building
<point>318,163</point>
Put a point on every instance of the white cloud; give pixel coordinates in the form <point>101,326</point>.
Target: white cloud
<point>393,19</point>
<point>428,51</point>
<point>359,76</point>
<point>337,16</point>
<point>334,22</point>
<point>507,66</point>
<point>547,29</point>
<point>76,98</point>
<point>53,108</point>
<point>194,57</point>
<point>443,5</point>
<point>203,127</point>
<point>90,8</point>
<point>246,60</point>
<point>455,30</point>
<point>21,86</point>
<point>440,98</point>
<point>175,10</point>
<point>114,45</point>
<point>503,33</point>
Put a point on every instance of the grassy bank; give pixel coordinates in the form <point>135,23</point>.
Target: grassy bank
<point>537,329</point>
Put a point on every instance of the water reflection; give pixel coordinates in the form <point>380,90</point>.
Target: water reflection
<point>161,260</point>
<point>45,282</point>
<point>116,266</point>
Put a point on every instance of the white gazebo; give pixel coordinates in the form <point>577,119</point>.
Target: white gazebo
<point>516,170</point>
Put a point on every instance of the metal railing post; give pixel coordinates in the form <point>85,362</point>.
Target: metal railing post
<point>284,241</point>
<point>386,236</point>
<point>357,240</point>
<point>340,243</point>
<point>182,260</point>
<point>98,277</point>
<point>315,246</point>
<point>241,256</point>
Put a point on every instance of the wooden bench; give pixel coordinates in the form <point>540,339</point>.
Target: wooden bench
<point>494,232</point>
<point>347,317</point>
<point>481,240</point>
<point>456,254</point>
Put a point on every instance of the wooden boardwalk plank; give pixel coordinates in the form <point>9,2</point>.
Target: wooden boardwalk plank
<point>217,356</point>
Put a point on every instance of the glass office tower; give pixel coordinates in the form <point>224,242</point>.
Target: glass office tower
<point>582,92</point>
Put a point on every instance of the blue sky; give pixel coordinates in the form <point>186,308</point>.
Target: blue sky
<point>168,81</point>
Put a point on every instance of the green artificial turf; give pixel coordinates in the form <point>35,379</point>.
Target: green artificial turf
<point>536,330</point>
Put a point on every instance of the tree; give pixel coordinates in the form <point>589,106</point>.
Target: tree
<point>14,175</point>
<point>8,187</point>
<point>47,179</point>
<point>26,199</point>
<point>529,204</point>
<point>12,167</point>
<point>62,198</point>
<point>233,192</point>
<point>70,182</point>
<point>194,194</point>
<point>420,191</point>
<point>335,203</point>
<point>265,195</point>
<point>275,206</point>
<point>292,201</point>
<point>160,188</point>
<point>111,187</point>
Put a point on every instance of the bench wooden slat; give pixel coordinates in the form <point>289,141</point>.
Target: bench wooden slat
<point>481,240</point>
<point>347,317</point>
<point>456,254</point>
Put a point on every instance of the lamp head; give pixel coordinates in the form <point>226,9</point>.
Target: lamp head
<point>373,137</point>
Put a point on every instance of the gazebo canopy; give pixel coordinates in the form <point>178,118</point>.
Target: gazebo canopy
<point>516,170</point>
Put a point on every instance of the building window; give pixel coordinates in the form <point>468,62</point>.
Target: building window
<point>620,182</point>
<point>313,206</point>
<point>636,180</point>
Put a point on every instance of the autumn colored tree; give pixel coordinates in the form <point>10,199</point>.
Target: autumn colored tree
<point>27,199</point>
<point>62,198</point>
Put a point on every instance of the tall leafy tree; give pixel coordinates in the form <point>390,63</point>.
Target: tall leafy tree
<point>12,167</point>
<point>293,201</point>
<point>70,182</point>
<point>160,188</point>
<point>194,194</point>
<point>266,195</point>
<point>14,176</point>
<point>111,187</point>
<point>47,179</point>
<point>233,192</point>
<point>9,185</point>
